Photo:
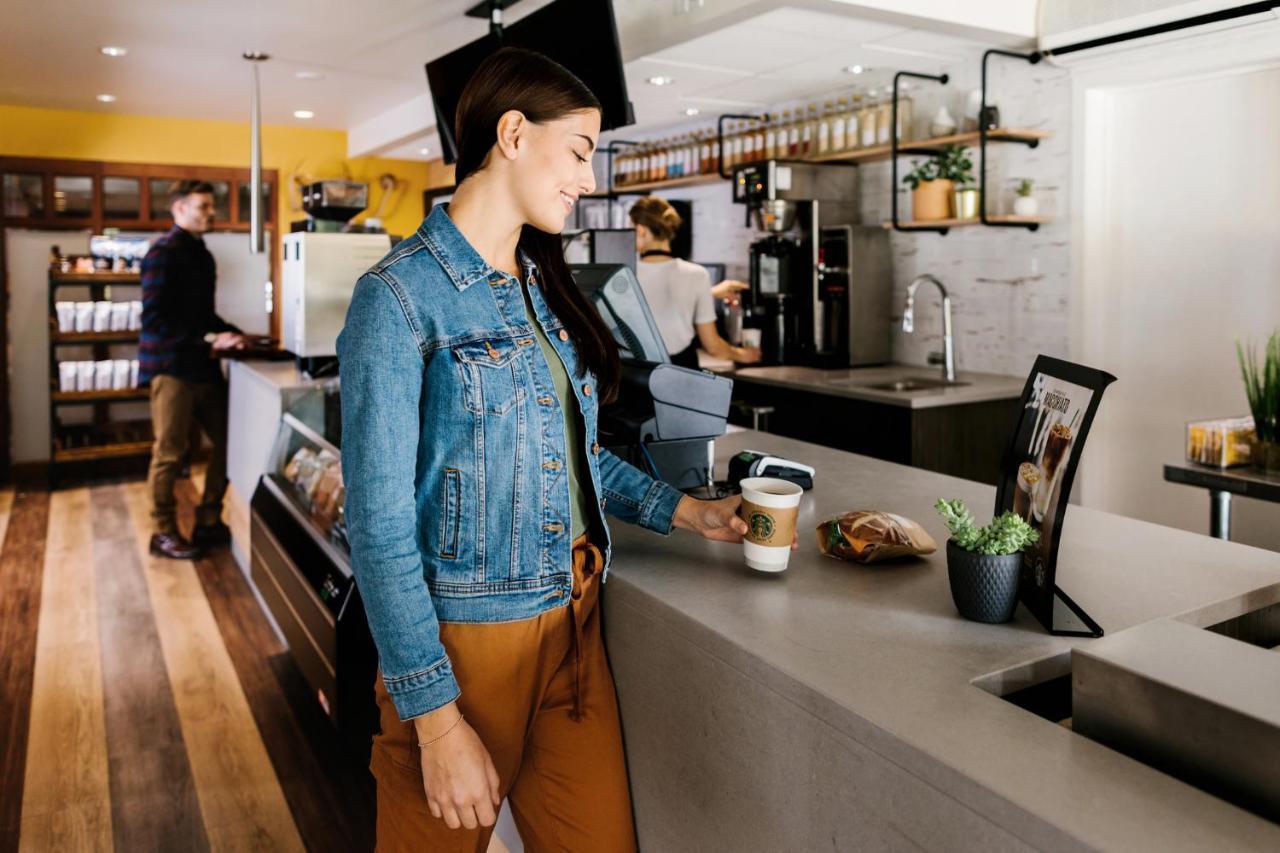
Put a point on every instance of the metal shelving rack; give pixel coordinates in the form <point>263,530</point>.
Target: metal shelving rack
<point>122,444</point>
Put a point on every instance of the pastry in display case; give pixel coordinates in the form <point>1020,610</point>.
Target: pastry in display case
<point>301,565</point>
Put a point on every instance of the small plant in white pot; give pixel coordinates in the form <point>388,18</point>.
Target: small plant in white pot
<point>984,563</point>
<point>1025,204</point>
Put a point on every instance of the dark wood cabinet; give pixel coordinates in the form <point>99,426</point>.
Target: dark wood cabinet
<point>962,440</point>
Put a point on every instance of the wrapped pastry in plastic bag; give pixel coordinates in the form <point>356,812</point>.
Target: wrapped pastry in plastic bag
<point>868,536</point>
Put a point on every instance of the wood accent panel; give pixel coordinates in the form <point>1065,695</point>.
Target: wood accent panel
<point>240,798</point>
<point>6,508</point>
<point>66,795</point>
<point>21,575</point>
<point>332,802</point>
<point>153,796</point>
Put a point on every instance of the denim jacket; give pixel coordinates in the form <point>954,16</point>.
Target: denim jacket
<point>453,447</point>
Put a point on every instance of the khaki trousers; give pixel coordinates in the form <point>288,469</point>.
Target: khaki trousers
<point>175,405</point>
<point>540,695</point>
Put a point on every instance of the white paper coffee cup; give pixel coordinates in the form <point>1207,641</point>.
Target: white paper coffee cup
<point>102,316</point>
<point>770,508</point>
<point>84,316</point>
<point>751,337</point>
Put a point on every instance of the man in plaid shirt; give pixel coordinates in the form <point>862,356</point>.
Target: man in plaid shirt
<point>180,331</point>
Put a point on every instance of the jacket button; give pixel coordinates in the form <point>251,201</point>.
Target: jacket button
<point>493,353</point>
<point>586,389</point>
<point>545,401</point>
<point>564,335</point>
<point>553,527</point>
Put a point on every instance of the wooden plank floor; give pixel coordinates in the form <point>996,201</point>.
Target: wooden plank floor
<point>148,704</point>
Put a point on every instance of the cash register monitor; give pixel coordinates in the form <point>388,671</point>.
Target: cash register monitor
<point>615,292</point>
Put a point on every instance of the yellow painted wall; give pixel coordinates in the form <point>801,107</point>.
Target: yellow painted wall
<point>313,153</point>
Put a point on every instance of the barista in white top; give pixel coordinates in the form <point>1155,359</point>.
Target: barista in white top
<point>679,293</point>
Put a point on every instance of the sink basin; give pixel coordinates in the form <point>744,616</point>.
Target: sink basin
<point>913,383</point>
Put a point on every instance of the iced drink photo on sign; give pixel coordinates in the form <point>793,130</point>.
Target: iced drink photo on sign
<point>1029,477</point>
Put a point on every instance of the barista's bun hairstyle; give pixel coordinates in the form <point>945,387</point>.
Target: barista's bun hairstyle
<point>657,215</point>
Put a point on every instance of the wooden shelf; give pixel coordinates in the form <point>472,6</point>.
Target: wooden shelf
<point>95,278</point>
<point>870,154</point>
<point>960,223</point>
<point>68,338</point>
<point>122,395</point>
<point>881,152</point>
<point>669,184</point>
<point>102,451</point>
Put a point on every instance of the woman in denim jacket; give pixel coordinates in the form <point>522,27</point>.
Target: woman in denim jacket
<point>472,371</point>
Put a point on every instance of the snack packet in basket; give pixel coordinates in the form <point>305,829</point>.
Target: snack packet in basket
<point>869,536</point>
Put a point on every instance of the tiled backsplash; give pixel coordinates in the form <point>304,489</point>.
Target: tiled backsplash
<point>1009,286</point>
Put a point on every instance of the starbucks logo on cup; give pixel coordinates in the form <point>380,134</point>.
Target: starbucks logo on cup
<point>761,525</point>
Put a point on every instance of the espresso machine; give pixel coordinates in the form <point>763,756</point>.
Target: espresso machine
<point>820,282</point>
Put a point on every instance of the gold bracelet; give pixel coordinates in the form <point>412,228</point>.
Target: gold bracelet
<point>445,732</point>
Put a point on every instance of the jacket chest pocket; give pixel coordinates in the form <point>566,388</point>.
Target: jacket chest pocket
<point>489,375</point>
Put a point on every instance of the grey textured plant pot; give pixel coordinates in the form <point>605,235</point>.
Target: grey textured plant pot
<point>984,587</point>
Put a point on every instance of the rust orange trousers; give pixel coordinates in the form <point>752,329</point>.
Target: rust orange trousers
<point>540,695</point>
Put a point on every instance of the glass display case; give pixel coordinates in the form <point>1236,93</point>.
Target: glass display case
<point>300,563</point>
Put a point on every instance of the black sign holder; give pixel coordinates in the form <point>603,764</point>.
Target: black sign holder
<point>1059,402</point>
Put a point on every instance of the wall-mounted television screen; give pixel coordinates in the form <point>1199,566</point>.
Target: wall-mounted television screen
<point>579,34</point>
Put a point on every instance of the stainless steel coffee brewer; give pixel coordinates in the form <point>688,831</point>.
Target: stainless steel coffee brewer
<point>820,282</point>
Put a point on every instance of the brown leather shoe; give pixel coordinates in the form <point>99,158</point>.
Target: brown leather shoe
<point>216,535</point>
<point>173,546</point>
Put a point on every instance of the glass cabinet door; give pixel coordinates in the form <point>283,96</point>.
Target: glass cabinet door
<point>73,196</point>
<point>122,198</point>
<point>23,196</point>
<point>242,189</point>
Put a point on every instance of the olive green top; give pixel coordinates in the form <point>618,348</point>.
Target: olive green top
<point>574,466</point>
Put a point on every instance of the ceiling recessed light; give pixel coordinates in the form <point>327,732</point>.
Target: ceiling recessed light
<point>113,50</point>
<point>303,114</point>
<point>424,151</point>
<point>854,69</point>
<point>660,81</point>
<point>691,111</point>
<point>308,75</point>
<point>107,99</point>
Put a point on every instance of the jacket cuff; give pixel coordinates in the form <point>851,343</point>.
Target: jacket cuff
<point>423,692</point>
<point>659,506</point>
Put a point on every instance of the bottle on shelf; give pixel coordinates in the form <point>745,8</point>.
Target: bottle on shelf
<point>824,129</point>
<point>867,120</point>
<point>771,138</point>
<point>704,154</point>
<point>739,144</point>
<point>852,140</point>
<point>807,128</point>
<point>906,113</point>
<point>793,134</point>
<point>757,141</point>
<point>695,154</point>
<point>884,117</point>
<point>837,124</point>
<point>714,155</point>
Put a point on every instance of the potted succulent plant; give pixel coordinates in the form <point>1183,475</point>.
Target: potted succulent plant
<point>933,181</point>
<point>1025,204</point>
<point>1262,387</point>
<point>984,563</point>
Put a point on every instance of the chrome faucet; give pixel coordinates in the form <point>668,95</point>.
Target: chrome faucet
<point>947,358</point>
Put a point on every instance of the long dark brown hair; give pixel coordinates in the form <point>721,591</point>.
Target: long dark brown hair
<point>544,91</point>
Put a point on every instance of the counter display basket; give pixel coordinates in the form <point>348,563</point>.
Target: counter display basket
<point>301,566</point>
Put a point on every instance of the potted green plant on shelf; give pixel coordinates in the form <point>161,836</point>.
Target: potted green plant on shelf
<point>1262,387</point>
<point>984,563</point>
<point>1025,204</point>
<point>934,181</point>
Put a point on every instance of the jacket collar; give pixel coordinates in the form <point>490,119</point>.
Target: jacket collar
<point>459,258</point>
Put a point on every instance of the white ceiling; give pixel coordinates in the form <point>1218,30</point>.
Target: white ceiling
<point>185,58</point>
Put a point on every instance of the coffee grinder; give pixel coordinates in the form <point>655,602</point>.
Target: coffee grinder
<point>820,282</point>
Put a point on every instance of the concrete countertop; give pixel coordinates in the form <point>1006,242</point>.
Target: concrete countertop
<point>878,654</point>
<point>853,383</point>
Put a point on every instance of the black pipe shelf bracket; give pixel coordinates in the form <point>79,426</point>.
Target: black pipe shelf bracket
<point>720,135</point>
<point>895,150</point>
<point>1033,58</point>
